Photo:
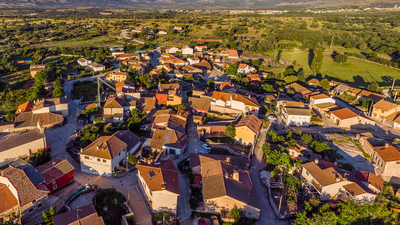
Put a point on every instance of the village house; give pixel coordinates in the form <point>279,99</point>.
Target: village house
<point>131,139</point>
<point>36,68</point>
<point>201,47</point>
<point>375,97</point>
<point>172,50</point>
<point>103,156</point>
<point>294,152</point>
<point>56,173</point>
<point>233,54</point>
<point>118,108</point>
<point>226,184</point>
<point>116,76</point>
<point>199,105</point>
<point>82,215</point>
<point>245,69</point>
<point>234,101</point>
<point>247,130</point>
<point>193,60</point>
<point>386,160</point>
<point>384,109</point>
<point>127,89</point>
<point>19,196</point>
<point>169,140</point>
<point>187,50</point>
<point>299,91</point>
<point>330,182</point>
<point>370,180</point>
<point>169,94</point>
<point>347,118</point>
<point>96,67</point>
<point>296,116</point>
<point>84,62</point>
<point>127,56</point>
<point>54,105</point>
<point>24,121</point>
<point>160,183</point>
<point>139,68</point>
<point>116,48</point>
<point>114,54</point>
<point>320,99</point>
<point>290,104</point>
<point>212,130</point>
<point>314,83</point>
<point>177,28</point>
<point>162,32</point>
<point>254,79</point>
<point>146,104</point>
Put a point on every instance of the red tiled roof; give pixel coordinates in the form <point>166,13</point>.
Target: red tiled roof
<point>160,176</point>
<point>252,122</point>
<point>54,169</point>
<point>386,106</point>
<point>27,192</point>
<point>106,147</point>
<point>388,153</point>
<point>221,96</point>
<point>246,100</point>
<point>7,198</point>
<point>26,107</point>
<point>370,178</point>
<point>344,113</point>
<point>233,53</point>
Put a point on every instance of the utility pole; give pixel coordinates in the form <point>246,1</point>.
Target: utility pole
<point>98,93</point>
<point>394,80</point>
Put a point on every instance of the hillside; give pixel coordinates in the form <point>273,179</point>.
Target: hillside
<point>185,4</point>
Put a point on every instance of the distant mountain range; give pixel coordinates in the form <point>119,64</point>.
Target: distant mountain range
<point>187,4</point>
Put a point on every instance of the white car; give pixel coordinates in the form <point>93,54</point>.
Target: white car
<point>205,146</point>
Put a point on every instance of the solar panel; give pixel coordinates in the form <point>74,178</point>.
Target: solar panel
<point>151,174</point>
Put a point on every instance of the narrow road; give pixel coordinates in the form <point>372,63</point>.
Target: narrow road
<point>123,35</point>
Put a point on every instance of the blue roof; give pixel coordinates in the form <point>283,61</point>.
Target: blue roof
<point>29,170</point>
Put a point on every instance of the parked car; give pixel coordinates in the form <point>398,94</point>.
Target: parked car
<point>272,117</point>
<point>205,146</point>
<point>202,221</point>
<point>215,220</point>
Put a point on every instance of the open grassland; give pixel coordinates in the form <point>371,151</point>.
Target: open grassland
<point>352,70</point>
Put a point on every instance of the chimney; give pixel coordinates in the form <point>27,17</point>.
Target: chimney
<point>2,173</point>
<point>386,145</point>
<point>316,160</point>
<point>228,159</point>
<point>81,149</point>
<point>235,175</point>
<point>54,163</point>
<point>335,163</point>
<point>98,147</point>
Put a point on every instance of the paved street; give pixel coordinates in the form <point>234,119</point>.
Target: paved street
<point>124,35</point>
<point>267,215</point>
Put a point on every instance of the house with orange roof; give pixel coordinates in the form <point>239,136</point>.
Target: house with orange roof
<point>160,183</point>
<point>371,95</point>
<point>187,50</point>
<point>139,68</point>
<point>233,54</point>
<point>384,109</point>
<point>299,90</point>
<point>117,108</point>
<point>247,130</point>
<point>237,102</point>
<point>320,99</point>
<point>347,118</point>
<point>254,79</point>
<point>26,107</point>
<point>53,105</point>
<point>386,160</point>
<point>165,55</point>
<point>332,183</point>
<point>245,69</point>
<point>172,50</point>
<point>116,76</point>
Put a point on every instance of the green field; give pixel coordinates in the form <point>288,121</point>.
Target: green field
<point>353,68</point>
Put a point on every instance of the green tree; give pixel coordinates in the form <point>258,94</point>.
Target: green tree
<point>210,82</point>
<point>290,79</point>
<point>277,57</point>
<point>48,215</point>
<point>272,134</point>
<point>340,58</point>
<point>306,138</point>
<point>374,86</point>
<point>235,214</point>
<point>132,159</point>
<point>366,103</point>
<point>232,70</point>
<point>181,106</point>
<point>325,84</point>
<point>256,63</point>
<point>316,59</point>
<point>268,88</point>
<point>58,88</point>
<point>136,119</point>
<point>43,76</point>
<point>319,146</point>
<point>230,131</point>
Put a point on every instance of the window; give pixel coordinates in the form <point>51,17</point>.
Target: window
<point>31,210</point>
<point>104,161</point>
<point>398,162</point>
<point>307,173</point>
<point>33,201</point>
<point>86,157</point>
<point>39,206</point>
<point>98,160</point>
<point>54,187</point>
<point>54,182</point>
<point>381,164</point>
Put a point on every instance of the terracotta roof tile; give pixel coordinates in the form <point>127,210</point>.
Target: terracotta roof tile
<point>161,175</point>
<point>221,96</point>
<point>320,96</point>
<point>108,147</point>
<point>7,198</point>
<point>27,192</point>
<point>246,100</point>
<point>386,106</point>
<point>252,122</point>
<point>388,153</point>
<point>370,178</point>
<point>26,107</point>
<point>54,169</point>
<point>344,113</point>
<point>200,103</point>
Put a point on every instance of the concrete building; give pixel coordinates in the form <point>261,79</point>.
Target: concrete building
<point>241,103</point>
<point>82,215</point>
<point>383,109</point>
<point>103,156</point>
<point>160,183</point>
<point>187,50</point>
<point>172,50</point>
<point>333,183</point>
<point>117,109</point>
<point>347,118</point>
<point>53,105</point>
<point>296,116</point>
<point>247,130</point>
<point>96,67</point>
<point>56,173</point>
<point>321,99</point>
<point>14,146</point>
<point>116,76</point>
<point>84,62</point>
<point>226,184</point>
<point>36,68</point>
